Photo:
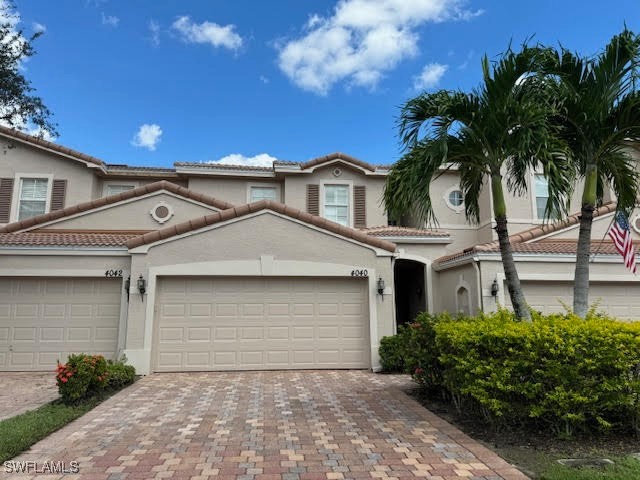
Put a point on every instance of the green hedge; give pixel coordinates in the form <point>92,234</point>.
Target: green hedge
<point>559,371</point>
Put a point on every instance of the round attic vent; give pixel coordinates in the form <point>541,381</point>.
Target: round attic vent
<point>635,223</point>
<point>337,172</point>
<point>162,212</point>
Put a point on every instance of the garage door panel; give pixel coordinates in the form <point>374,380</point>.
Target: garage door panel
<point>261,323</point>
<point>618,299</point>
<point>44,320</point>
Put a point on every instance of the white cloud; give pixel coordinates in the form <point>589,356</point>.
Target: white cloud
<point>260,160</point>
<point>110,20</point>
<point>264,79</point>
<point>38,27</point>
<point>361,41</point>
<point>208,32</point>
<point>430,76</point>
<point>154,30</point>
<point>148,136</point>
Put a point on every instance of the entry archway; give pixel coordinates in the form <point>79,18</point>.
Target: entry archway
<point>409,289</point>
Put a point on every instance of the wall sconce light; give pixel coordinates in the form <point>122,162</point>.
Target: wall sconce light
<point>127,286</point>
<point>380,286</point>
<point>142,286</point>
<point>494,288</point>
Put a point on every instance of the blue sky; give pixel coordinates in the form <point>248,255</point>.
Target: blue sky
<point>289,79</point>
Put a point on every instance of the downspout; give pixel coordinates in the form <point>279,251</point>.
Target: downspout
<point>476,267</point>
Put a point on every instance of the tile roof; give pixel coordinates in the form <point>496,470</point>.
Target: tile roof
<point>100,202</point>
<point>243,210</point>
<point>9,132</point>
<point>219,166</point>
<point>394,231</point>
<point>340,156</point>
<point>564,246</point>
<point>66,239</point>
<point>518,240</point>
<point>111,167</point>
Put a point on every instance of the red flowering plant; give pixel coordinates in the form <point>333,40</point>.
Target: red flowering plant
<point>81,377</point>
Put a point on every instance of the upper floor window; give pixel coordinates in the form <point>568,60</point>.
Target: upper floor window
<point>336,203</point>
<point>33,197</point>
<point>116,188</point>
<point>262,193</point>
<point>542,194</point>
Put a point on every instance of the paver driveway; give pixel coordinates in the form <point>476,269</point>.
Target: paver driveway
<point>22,391</point>
<point>303,425</point>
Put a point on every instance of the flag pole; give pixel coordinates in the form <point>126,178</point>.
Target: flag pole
<point>593,257</point>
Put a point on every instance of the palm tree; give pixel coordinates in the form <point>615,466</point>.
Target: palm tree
<point>501,128</point>
<point>599,117</point>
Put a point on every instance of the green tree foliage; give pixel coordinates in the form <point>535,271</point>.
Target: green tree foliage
<point>20,108</point>
<point>500,129</point>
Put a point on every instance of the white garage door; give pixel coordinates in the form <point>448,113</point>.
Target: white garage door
<point>44,320</point>
<point>233,323</point>
<point>618,299</point>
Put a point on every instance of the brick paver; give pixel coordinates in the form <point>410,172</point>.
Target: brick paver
<point>23,391</point>
<point>303,425</point>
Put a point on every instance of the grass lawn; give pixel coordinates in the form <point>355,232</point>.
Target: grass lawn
<point>20,432</point>
<point>626,468</point>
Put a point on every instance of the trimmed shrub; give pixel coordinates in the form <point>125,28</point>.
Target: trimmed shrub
<point>560,372</point>
<point>81,377</point>
<point>119,374</point>
<point>392,353</point>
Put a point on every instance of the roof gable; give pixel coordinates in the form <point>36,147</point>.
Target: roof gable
<point>538,239</point>
<point>248,209</point>
<point>113,200</point>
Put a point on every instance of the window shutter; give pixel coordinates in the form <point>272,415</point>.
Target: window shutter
<point>58,192</point>
<point>6,192</point>
<point>313,199</point>
<point>359,206</point>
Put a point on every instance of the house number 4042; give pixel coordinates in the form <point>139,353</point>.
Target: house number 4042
<point>359,273</point>
<point>113,273</point>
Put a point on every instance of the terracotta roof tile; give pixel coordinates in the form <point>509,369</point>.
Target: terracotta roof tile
<point>220,166</point>
<point>66,239</point>
<point>100,202</point>
<point>243,210</point>
<point>9,132</point>
<point>519,240</point>
<point>394,231</point>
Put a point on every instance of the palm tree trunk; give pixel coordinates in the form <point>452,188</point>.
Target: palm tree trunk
<point>583,251</point>
<point>520,307</point>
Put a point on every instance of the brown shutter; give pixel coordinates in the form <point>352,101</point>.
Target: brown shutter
<point>58,192</point>
<point>359,206</point>
<point>313,199</point>
<point>6,193</point>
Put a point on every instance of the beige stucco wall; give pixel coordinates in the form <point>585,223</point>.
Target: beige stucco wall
<point>295,189</point>
<point>135,214</point>
<point>232,190</point>
<point>17,158</point>
<point>446,285</point>
<point>225,250</point>
<point>20,263</point>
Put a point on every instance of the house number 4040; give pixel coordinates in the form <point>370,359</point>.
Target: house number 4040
<point>359,273</point>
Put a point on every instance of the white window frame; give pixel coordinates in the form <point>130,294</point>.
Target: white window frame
<point>534,196</point>
<point>17,191</point>
<point>343,183</point>
<point>445,196</point>
<point>250,186</point>
<point>106,185</point>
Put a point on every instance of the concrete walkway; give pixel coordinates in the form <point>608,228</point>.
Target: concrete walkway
<point>23,391</point>
<point>297,425</point>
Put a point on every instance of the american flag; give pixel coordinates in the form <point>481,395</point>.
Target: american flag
<point>620,233</point>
